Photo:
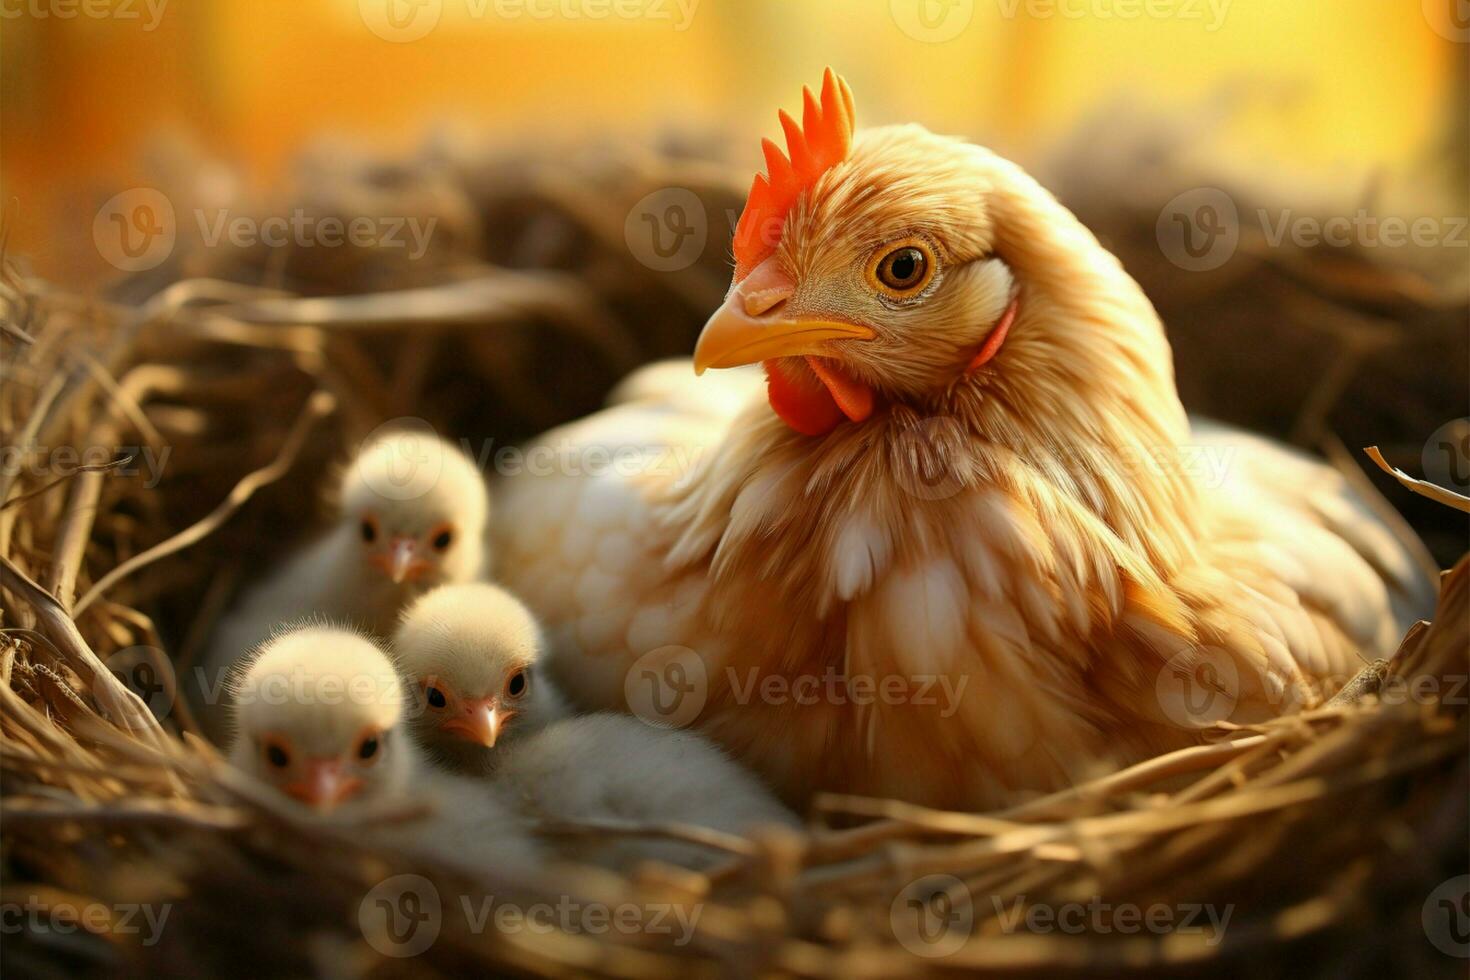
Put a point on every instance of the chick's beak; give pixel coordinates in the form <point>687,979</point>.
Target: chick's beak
<point>401,559</point>
<point>479,724</point>
<point>750,327</point>
<point>324,785</point>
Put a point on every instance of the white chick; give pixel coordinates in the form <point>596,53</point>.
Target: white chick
<point>472,651</point>
<point>318,715</point>
<point>475,652</point>
<point>414,512</point>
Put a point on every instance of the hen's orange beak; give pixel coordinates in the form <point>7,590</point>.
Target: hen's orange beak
<point>324,784</point>
<point>480,724</point>
<point>749,326</point>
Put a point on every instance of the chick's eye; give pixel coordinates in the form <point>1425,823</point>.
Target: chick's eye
<point>443,539</point>
<point>367,748</point>
<point>516,684</point>
<point>277,756</point>
<point>435,696</point>
<point>369,531</point>
<point>904,269</point>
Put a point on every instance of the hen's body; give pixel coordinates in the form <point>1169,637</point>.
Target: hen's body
<point>992,585</point>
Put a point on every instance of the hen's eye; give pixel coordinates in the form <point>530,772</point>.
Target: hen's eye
<point>517,683</point>
<point>367,748</point>
<point>903,268</point>
<point>369,531</point>
<point>435,696</point>
<point>277,756</point>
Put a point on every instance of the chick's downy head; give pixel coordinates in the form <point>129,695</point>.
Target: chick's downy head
<point>317,714</point>
<point>471,655</point>
<point>895,265</point>
<point>418,508</point>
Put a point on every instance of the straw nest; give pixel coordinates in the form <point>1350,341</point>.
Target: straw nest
<point>1322,836</point>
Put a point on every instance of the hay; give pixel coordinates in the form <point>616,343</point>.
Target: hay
<point>1322,834</point>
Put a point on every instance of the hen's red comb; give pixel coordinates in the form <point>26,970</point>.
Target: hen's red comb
<point>821,141</point>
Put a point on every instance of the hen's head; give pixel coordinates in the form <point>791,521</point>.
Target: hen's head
<point>894,265</point>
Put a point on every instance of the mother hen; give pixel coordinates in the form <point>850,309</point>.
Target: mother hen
<point>968,548</point>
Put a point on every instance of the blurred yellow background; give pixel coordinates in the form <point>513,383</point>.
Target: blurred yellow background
<point>1342,86</point>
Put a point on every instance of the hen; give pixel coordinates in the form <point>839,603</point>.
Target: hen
<point>967,548</point>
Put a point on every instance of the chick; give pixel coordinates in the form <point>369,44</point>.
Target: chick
<point>469,653</point>
<point>476,654</point>
<point>318,715</point>
<point>413,515</point>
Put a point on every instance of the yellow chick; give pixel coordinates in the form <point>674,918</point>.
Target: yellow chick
<point>318,715</point>
<point>414,511</point>
<point>473,652</point>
